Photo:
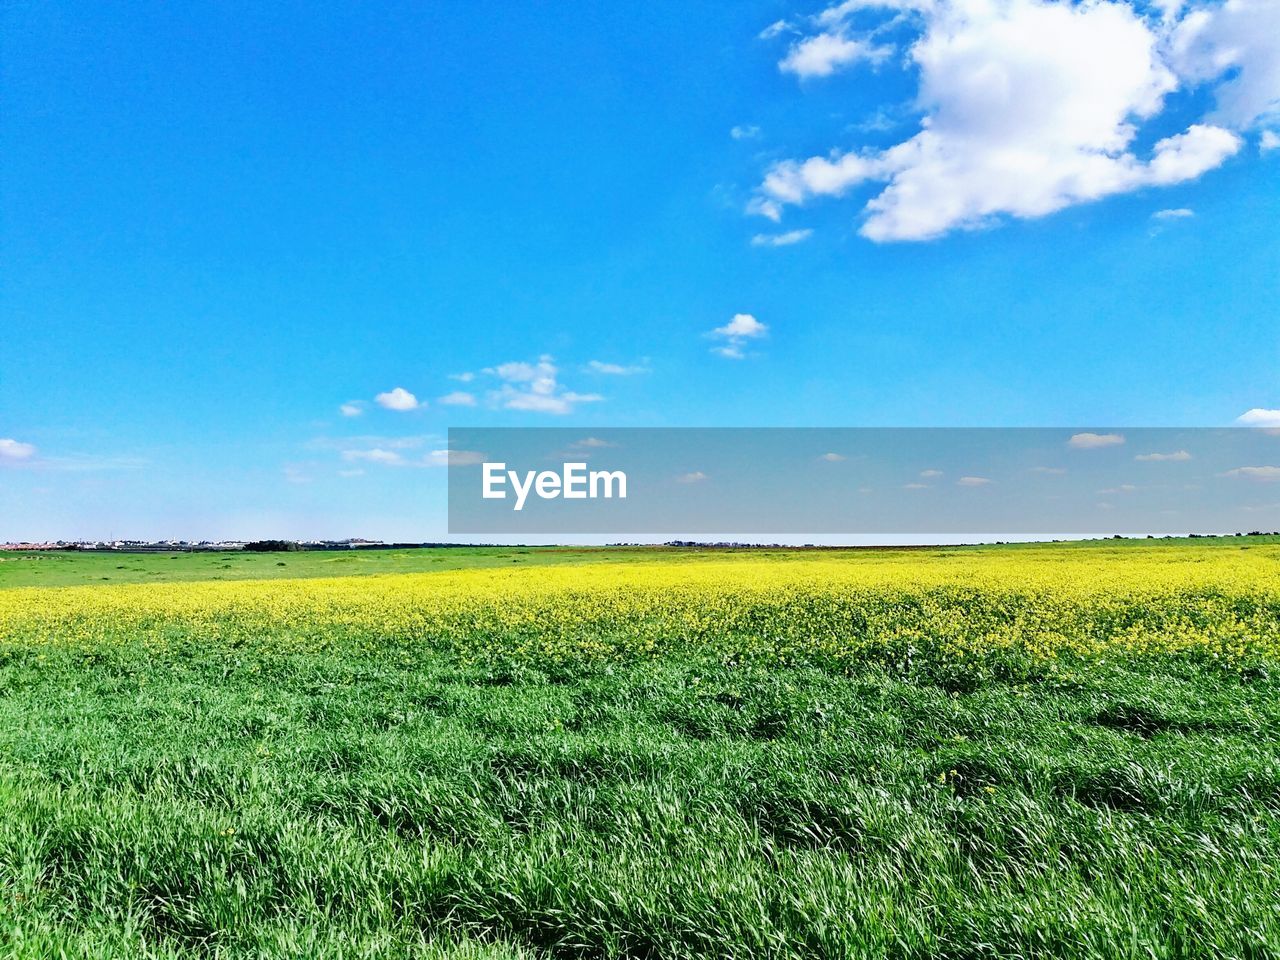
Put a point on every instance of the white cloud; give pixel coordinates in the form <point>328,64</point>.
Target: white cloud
<point>915,486</point>
<point>824,53</point>
<point>535,388</point>
<point>462,377</point>
<point>458,398</point>
<point>615,369</point>
<point>1028,106</point>
<point>380,455</point>
<point>833,458</point>
<point>453,458</point>
<point>352,408</point>
<point>697,476</point>
<point>1052,471</point>
<point>787,239</point>
<point>1262,474</point>
<point>929,474</point>
<point>777,28</point>
<point>1176,456</point>
<point>745,132</point>
<point>398,399</point>
<point>973,481</point>
<point>355,472</point>
<point>736,333</point>
<point>592,443</point>
<point>1233,45</point>
<point>1092,441</point>
<point>1123,488</point>
<point>742,325</point>
<point>1270,140</point>
<point>1258,417</point>
<point>1177,213</point>
<point>14,450</point>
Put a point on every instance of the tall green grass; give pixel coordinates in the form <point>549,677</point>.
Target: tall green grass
<point>240,801</point>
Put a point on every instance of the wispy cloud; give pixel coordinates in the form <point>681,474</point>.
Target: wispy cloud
<point>697,476</point>
<point>1094,441</point>
<point>833,458</point>
<point>777,28</point>
<point>1261,474</point>
<point>745,132</point>
<point>1175,213</point>
<point>458,398</point>
<point>927,474</point>
<point>352,408</point>
<point>453,458</point>
<point>616,369</point>
<point>973,481</point>
<point>389,458</point>
<point>790,238</point>
<point>1175,456</point>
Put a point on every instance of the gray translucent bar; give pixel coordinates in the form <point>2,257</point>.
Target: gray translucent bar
<point>990,481</point>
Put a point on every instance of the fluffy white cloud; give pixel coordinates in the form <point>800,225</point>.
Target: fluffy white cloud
<point>833,458</point>
<point>736,333</point>
<point>458,398</point>
<point>14,450</point>
<point>1176,456</point>
<point>786,239</point>
<point>1092,441</point>
<point>1258,417</point>
<point>1233,44</point>
<point>398,399</point>
<point>823,54</point>
<point>1027,106</point>
<point>1261,474</point>
<point>535,387</point>
<point>351,409</point>
<point>1270,140</point>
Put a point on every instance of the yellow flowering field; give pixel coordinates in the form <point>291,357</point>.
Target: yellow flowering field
<point>1221,601</point>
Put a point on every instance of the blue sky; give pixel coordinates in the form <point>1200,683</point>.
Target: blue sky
<point>222,224</point>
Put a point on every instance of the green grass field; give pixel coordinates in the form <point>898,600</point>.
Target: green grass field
<point>218,781</point>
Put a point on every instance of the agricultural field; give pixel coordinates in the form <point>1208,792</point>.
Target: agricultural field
<point>1022,751</point>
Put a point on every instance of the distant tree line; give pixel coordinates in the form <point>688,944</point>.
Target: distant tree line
<point>273,546</point>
